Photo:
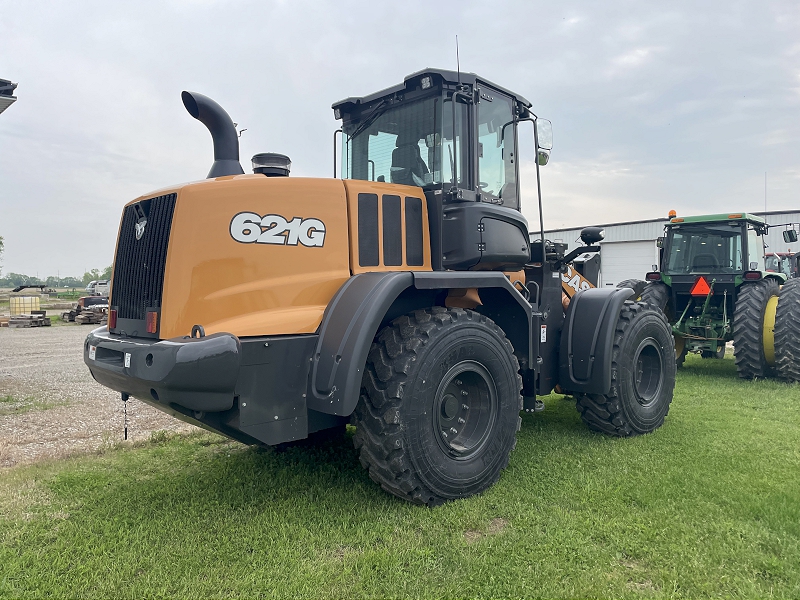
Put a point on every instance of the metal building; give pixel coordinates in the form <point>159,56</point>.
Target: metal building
<point>7,97</point>
<point>629,249</point>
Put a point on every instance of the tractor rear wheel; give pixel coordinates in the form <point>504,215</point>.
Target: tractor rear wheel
<point>748,327</point>
<point>637,285</point>
<point>787,331</point>
<point>642,376</point>
<point>656,294</point>
<point>439,407</point>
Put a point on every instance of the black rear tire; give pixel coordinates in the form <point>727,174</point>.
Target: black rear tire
<point>656,294</point>
<point>748,323</point>
<point>439,409</point>
<point>787,332</point>
<point>642,376</point>
<point>637,285</point>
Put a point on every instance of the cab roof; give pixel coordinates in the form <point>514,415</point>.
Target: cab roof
<point>720,218</point>
<point>412,82</point>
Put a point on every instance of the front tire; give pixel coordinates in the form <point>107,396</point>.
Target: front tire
<point>642,376</point>
<point>439,409</point>
<point>748,327</point>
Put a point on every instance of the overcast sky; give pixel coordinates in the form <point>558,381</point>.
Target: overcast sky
<point>654,106</point>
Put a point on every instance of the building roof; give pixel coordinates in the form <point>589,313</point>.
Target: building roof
<point>7,97</point>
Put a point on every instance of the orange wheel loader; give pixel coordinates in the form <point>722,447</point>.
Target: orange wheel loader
<point>405,297</point>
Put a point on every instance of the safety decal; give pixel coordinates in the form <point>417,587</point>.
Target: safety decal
<point>252,228</point>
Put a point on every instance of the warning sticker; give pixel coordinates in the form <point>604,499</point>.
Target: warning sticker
<point>543,336</point>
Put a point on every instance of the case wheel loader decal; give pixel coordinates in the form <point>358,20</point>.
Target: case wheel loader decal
<point>252,228</point>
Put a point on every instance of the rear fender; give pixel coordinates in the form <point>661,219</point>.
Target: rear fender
<point>587,339</point>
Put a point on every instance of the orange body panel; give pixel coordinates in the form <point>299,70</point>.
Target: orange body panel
<point>252,288</point>
<point>355,187</point>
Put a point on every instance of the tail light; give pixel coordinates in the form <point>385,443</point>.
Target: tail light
<point>112,318</point>
<point>655,276</point>
<point>152,322</point>
<point>752,275</point>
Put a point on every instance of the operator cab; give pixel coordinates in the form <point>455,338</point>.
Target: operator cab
<point>455,136</point>
<point>722,244</point>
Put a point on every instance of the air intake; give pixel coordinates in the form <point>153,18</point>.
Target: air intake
<point>271,164</point>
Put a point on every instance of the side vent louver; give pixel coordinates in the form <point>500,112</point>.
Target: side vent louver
<point>396,216</point>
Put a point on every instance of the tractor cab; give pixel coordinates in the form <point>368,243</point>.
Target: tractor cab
<point>455,136</point>
<point>707,263</point>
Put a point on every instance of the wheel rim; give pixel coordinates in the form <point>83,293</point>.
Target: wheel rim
<point>649,372</point>
<point>465,409</point>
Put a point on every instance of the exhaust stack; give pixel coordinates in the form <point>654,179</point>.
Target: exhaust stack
<point>223,133</point>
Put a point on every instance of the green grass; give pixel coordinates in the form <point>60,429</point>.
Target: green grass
<point>709,505</point>
<point>11,405</point>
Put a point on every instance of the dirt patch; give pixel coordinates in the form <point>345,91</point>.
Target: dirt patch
<point>65,410</point>
<point>496,525</point>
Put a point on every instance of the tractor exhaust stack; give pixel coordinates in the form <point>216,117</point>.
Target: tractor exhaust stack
<point>222,130</point>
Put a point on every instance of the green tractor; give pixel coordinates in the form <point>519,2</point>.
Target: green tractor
<point>714,287</point>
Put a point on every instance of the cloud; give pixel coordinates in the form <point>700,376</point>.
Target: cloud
<point>683,106</point>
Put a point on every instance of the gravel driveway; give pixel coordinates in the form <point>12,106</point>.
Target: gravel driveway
<point>58,409</point>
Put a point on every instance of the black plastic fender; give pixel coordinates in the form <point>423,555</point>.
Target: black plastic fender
<point>348,327</point>
<point>355,313</point>
<point>587,339</point>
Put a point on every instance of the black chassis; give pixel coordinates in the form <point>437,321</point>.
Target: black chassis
<point>274,389</point>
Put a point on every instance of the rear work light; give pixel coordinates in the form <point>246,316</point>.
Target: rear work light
<point>112,319</point>
<point>655,276</point>
<point>700,287</point>
<point>152,322</point>
<point>752,275</point>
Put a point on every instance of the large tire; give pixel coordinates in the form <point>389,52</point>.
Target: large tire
<point>642,376</point>
<point>439,409</point>
<point>787,332</point>
<point>656,294</point>
<point>637,285</point>
<point>748,327</point>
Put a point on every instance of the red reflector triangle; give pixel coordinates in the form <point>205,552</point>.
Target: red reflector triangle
<point>700,287</point>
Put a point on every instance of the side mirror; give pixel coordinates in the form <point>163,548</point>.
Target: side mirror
<point>592,235</point>
<point>543,157</point>
<point>790,236</point>
<point>659,244</point>
<point>544,134</point>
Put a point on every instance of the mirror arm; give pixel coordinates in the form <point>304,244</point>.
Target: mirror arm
<point>574,254</point>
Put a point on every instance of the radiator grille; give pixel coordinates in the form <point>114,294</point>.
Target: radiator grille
<point>139,265</point>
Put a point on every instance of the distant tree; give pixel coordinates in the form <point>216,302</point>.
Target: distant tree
<point>92,275</point>
<point>15,279</point>
<point>71,282</point>
<point>107,272</point>
<point>1,253</point>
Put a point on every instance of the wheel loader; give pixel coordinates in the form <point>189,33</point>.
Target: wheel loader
<point>403,296</point>
<point>715,286</point>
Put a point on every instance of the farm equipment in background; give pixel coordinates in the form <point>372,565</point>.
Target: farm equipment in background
<point>89,310</point>
<point>405,298</point>
<point>714,286</point>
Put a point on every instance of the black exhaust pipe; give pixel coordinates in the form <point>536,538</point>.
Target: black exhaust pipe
<point>220,125</point>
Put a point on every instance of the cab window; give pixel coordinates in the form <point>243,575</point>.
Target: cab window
<point>496,160</point>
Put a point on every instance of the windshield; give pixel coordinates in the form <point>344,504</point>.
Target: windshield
<point>409,143</point>
<point>705,249</point>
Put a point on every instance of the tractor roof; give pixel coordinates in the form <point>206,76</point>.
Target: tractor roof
<point>412,82</point>
<point>720,218</point>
